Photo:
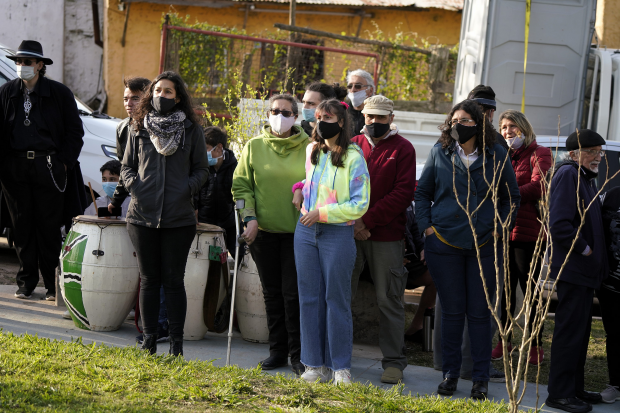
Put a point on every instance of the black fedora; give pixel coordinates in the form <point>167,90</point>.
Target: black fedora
<point>31,48</point>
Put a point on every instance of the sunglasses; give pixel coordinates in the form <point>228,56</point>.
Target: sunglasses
<point>356,86</point>
<point>285,113</point>
<point>25,62</point>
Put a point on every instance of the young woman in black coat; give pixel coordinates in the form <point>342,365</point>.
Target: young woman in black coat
<point>164,165</point>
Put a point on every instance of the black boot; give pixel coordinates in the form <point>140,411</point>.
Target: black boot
<point>149,343</point>
<point>447,387</point>
<point>176,346</point>
<point>480,390</point>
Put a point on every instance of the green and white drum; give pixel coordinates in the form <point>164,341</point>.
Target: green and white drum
<point>98,273</point>
<point>207,244</point>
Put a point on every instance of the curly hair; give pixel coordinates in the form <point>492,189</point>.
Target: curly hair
<point>485,135</point>
<point>185,100</point>
<point>333,107</point>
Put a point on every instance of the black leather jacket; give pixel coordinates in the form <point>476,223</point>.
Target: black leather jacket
<point>214,202</point>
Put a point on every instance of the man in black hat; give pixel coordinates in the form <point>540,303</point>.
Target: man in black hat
<point>573,186</point>
<point>485,97</point>
<point>40,140</point>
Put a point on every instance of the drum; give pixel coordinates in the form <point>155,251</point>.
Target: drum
<point>98,273</point>
<point>209,240</point>
<point>250,303</point>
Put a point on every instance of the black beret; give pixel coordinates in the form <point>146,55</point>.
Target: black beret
<point>483,95</point>
<point>588,138</point>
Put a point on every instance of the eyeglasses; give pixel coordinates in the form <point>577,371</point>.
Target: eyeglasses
<point>24,62</point>
<point>461,121</point>
<point>285,113</point>
<point>593,152</point>
<point>356,86</point>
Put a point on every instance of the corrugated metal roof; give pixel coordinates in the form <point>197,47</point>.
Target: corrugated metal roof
<point>438,4</point>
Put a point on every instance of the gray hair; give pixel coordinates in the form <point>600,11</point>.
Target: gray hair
<point>568,157</point>
<point>365,75</point>
<point>289,98</point>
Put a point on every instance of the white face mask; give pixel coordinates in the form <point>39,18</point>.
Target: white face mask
<point>357,98</point>
<point>515,143</point>
<point>25,72</point>
<point>280,124</point>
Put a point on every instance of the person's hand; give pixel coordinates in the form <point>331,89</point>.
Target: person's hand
<point>251,230</point>
<point>110,207</point>
<point>298,199</point>
<point>429,231</point>
<point>363,235</point>
<point>359,226</point>
<point>422,257</point>
<point>310,218</point>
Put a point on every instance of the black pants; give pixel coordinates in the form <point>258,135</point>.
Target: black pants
<point>274,256</point>
<point>610,308</point>
<point>521,255</point>
<point>162,255</point>
<point>573,322</point>
<point>35,206</point>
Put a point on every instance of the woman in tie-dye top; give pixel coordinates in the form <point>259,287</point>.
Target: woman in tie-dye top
<point>336,192</point>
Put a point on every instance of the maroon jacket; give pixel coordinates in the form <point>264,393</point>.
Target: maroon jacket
<point>531,164</point>
<point>391,165</point>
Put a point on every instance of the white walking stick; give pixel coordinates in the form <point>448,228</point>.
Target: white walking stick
<point>239,204</point>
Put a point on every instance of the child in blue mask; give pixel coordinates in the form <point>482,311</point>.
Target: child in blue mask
<point>110,173</point>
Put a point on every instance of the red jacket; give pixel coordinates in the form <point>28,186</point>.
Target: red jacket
<point>530,164</point>
<point>391,165</point>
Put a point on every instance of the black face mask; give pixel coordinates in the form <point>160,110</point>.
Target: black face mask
<point>377,130</point>
<point>162,105</point>
<point>462,133</point>
<point>328,130</point>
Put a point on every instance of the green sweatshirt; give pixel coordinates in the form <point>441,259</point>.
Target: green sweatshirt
<point>267,170</point>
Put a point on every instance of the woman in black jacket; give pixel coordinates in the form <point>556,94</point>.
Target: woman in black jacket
<point>164,165</point>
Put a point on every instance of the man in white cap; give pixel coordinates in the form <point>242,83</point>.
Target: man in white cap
<point>40,140</point>
<point>380,233</point>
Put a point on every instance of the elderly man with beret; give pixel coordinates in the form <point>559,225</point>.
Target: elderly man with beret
<point>573,188</point>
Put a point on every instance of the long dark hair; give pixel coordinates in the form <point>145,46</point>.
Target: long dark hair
<point>333,107</point>
<point>185,102</point>
<point>333,91</point>
<point>485,136</point>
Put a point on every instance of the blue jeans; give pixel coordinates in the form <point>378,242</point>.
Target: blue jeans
<point>456,275</point>
<point>325,257</point>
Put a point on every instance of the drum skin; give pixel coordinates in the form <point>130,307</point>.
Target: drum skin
<point>196,272</point>
<point>250,303</point>
<point>98,273</point>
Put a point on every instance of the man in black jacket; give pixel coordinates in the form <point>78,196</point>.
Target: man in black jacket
<point>40,140</point>
<point>135,87</point>
<point>582,253</point>
<point>214,202</point>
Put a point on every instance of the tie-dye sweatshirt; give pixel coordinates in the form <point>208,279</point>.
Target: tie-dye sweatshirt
<point>340,194</point>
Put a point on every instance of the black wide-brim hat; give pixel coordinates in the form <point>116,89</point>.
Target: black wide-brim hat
<point>32,49</point>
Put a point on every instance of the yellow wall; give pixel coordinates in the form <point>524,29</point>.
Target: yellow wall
<point>607,27</point>
<point>140,56</point>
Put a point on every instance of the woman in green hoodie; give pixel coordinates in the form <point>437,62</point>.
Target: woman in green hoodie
<point>269,166</point>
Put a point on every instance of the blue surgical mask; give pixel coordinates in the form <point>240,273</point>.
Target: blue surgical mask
<point>212,160</point>
<point>109,188</point>
<point>308,114</point>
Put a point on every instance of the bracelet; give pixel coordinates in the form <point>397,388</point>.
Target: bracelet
<point>298,185</point>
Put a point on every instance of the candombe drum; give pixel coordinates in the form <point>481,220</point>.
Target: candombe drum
<point>250,303</point>
<point>98,273</point>
<point>204,255</point>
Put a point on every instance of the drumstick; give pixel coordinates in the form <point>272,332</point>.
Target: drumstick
<point>92,194</point>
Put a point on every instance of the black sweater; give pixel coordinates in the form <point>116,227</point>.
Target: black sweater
<point>611,224</point>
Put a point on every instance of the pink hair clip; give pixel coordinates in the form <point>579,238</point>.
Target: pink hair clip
<point>345,104</point>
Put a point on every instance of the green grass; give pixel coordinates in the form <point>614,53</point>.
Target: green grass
<point>597,375</point>
<point>39,374</point>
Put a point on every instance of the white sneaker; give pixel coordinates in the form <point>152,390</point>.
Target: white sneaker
<point>610,394</point>
<point>66,315</point>
<point>312,374</point>
<point>342,377</point>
